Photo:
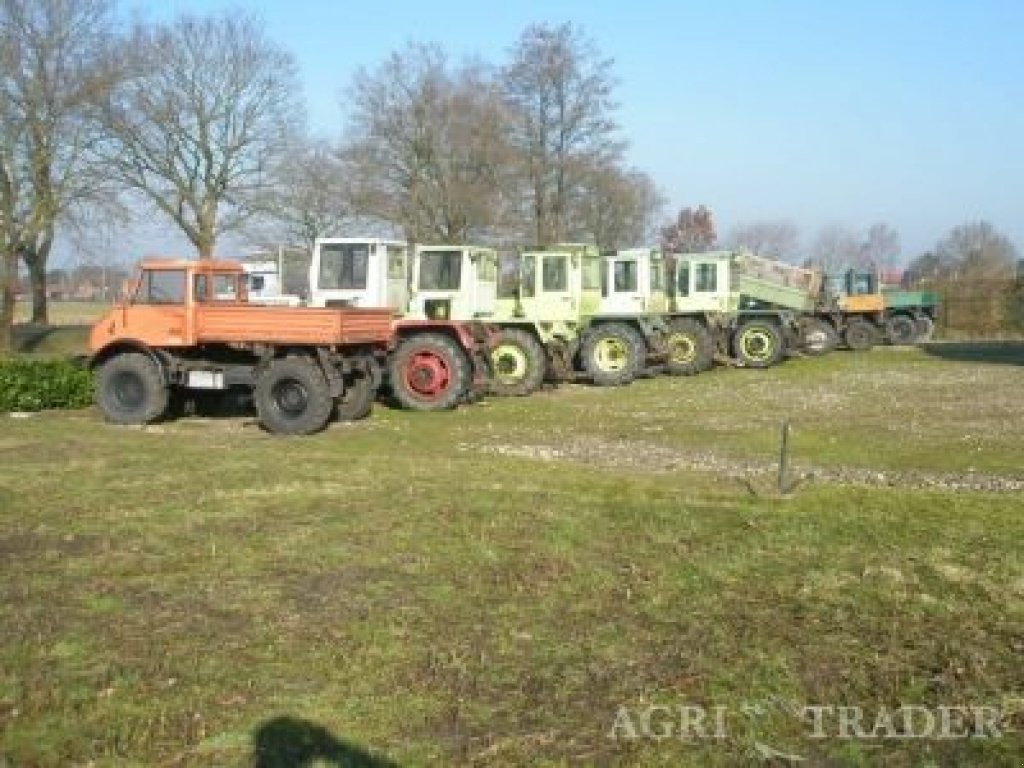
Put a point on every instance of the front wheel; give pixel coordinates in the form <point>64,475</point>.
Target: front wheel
<point>130,389</point>
<point>924,327</point>
<point>758,344</point>
<point>518,363</point>
<point>819,337</point>
<point>690,349</point>
<point>901,330</point>
<point>429,372</point>
<point>293,397</point>
<point>860,336</point>
<point>611,355</point>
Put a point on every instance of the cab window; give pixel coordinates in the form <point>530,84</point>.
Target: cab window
<point>343,265</point>
<point>625,276</point>
<point>657,276</point>
<point>591,274</point>
<point>555,276</point>
<point>220,286</point>
<point>508,276</point>
<point>161,286</point>
<point>529,274</point>
<point>707,278</point>
<point>396,262</point>
<point>440,270</point>
<point>683,279</point>
<point>487,267</point>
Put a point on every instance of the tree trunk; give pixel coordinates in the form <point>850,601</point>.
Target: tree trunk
<point>36,260</point>
<point>7,293</point>
<point>205,249</point>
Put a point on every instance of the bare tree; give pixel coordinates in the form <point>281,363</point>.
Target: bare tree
<point>427,145</point>
<point>836,248</point>
<point>615,208</point>
<point>977,250</point>
<point>53,74</point>
<point>560,91</point>
<point>312,195</point>
<point>778,239</point>
<point>881,246</point>
<point>209,105</point>
<point>692,232</point>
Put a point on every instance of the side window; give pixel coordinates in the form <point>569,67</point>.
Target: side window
<point>591,274</point>
<point>734,275</point>
<point>625,276</point>
<point>225,286</point>
<point>508,275</point>
<point>529,274</point>
<point>683,279</point>
<point>707,278</point>
<point>162,286</point>
<point>555,276</point>
<point>440,270</point>
<point>257,282</point>
<point>487,267</point>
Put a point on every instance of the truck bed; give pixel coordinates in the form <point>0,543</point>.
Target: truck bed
<point>251,323</point>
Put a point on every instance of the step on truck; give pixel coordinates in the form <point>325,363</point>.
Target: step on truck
<point>697,297</point>
<point>545,304</point>
<point>437,362</point>
<point>187,327</point>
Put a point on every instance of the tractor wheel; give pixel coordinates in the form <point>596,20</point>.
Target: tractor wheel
<point>292,397</point>
<point>860,335</point>
<point>356,401</point>
<point>901,330</point>
<point>689,347</point>
<point>130,389</point>
<point>429,372</point>
<point>610,354</point>
<point>518,363</point>
<point>758,344</point>
<point>819,337</point>
<point>924,327</point>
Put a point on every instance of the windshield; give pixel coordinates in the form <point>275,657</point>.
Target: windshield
<point>440,270</point>
<point>343,265</point>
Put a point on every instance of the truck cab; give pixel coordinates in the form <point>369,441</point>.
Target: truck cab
<point>454,282</point>
<point>704,282</point>
<point>359,272</point>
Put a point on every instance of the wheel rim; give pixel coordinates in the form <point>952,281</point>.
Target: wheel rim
<point>291,398</point>
<point>611,355</point>
<point>682,348</point>
<point>129,390</point>
<point>510,363</point>
<point>757,344</point>
<point>428,375</point>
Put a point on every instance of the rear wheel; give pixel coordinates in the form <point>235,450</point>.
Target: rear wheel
<point>429,372</point>
<point>130,389</point>
<point>924,327</point>
<point>610,355</point>
<point>518,363</point>
<point>860,335</point>
<point>293,397</point>
<point>689,347</point>
<point>356,401</point>
<point>901,330</point>
<point>819,337</point>
<point>758,344</point>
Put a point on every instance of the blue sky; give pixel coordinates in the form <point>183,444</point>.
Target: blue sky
<point>822,112</point>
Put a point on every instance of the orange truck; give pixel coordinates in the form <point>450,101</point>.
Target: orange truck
<point>187,325</point>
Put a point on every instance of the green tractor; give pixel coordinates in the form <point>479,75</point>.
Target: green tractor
<point>547,307</point>
<point>695,297</point>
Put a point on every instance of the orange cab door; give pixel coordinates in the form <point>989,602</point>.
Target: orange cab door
<point>157,314</point>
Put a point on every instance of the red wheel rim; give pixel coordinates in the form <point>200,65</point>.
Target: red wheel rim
<point>427,374</point>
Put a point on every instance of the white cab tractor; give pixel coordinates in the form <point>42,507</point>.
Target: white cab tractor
<point>454,282</point>
<point>435,362</point>
<point>263,285</point>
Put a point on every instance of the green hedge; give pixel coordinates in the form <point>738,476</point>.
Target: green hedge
<point>34,385</point>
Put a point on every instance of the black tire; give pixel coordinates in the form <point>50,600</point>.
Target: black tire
<point>293,397</point>
<point>518,363</point>
<point>819,337</point>
<point>429,372</point>
<point>901,330</point>
<point>357,400</point>
<point>131,389</point>
<point>924,327</point>
<point>860,335</point>
<point>610,354</point>
<point>758,344</point>
<point>690,349</point>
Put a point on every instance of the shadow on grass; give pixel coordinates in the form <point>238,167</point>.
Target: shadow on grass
<point>289,742</point>
<point>66,340</point>
<point>1004,352</point>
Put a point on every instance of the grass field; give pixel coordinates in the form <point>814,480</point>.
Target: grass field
<point>492,586</point>
<point>64,312</point>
